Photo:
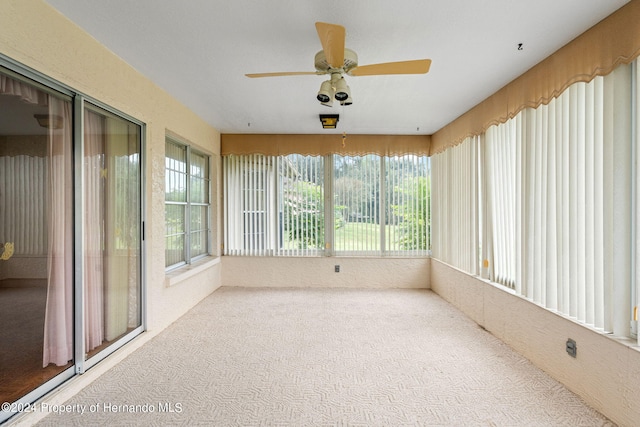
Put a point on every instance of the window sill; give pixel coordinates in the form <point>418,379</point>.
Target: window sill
<point>185,272</point>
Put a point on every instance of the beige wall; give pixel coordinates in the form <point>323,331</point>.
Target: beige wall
<point>606,370</point>
<point>34,34</point>
<point>319,272</point>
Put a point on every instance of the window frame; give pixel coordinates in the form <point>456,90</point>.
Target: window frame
<point>384,248</point>
<point>189,204</point>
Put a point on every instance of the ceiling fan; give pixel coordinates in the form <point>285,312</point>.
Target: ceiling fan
<point>336,60</point>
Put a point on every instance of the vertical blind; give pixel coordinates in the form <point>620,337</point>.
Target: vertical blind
<point>357,190</point>
<point>274,205</point>
<point>570,196</point>
<point>23,219</point>
<point>323,205</point>
<point>246,227</point>
<point>300,198</point>
<point>556,199</point>
<point>455,206</point>
<point>499,170</point>
<point>405,205</point>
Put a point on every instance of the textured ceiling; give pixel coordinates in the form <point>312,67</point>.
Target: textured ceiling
<point>199,51</point>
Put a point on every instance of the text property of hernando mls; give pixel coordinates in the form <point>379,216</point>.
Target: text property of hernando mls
<point>105,407</point>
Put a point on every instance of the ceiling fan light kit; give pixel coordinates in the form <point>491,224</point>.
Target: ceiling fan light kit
<point>342,90</point>
<point>335,88</point>
<point>326,93</point>
<point>336,60</point>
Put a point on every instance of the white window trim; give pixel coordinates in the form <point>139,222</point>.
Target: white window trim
<point>188,260</point>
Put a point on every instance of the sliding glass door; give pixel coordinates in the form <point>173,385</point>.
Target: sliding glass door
<point>70,236</point>
<point>36,236</point>
<point>112,218</point>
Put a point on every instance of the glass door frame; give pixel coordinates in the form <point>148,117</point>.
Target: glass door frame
<point>15,69</point>
<point>81,362</point>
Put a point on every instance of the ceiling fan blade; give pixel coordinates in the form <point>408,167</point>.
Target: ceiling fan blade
<point>332,38</point>
<point>418,66</point>
<point>284,73</point>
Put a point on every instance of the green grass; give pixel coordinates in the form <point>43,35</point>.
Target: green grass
<point>357,236</point>
<point>361,236</point>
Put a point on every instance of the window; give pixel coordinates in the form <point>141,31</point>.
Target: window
<point>356,194</point>
<point>326,205</point>
<point>302,205</point>
<point>571,196</point>
<point>455,206</point>
<point>558,187</point>
<point>381,205</point>
<point>187,204</point>
<point>406,204</point>
<point>274,205</point>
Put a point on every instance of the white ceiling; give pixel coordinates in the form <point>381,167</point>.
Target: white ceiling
<point>199,51</point>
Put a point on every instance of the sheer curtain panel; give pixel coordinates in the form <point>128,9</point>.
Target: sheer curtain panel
<point>58,323</point>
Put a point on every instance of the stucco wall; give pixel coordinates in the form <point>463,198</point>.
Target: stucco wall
<point>34,34</point>
<point>606,370</point>
<point>320,272</point>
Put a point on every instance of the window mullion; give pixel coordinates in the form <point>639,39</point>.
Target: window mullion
<point>382,203</point>
<point>329,220</point>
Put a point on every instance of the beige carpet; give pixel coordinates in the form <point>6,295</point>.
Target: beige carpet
<point>326,357</point>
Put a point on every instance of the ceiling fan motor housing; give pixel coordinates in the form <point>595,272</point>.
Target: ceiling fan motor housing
<point>350,62</point>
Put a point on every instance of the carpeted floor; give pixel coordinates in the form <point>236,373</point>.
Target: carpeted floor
<point>326,357</point>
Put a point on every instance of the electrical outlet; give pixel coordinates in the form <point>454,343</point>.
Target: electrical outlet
<point>337,269</point>
<point>571,348</point>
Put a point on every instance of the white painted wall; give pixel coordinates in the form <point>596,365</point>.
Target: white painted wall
<point>606,370</point>
<point>355,272</point>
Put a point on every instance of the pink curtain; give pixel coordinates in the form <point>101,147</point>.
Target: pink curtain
<point>26,92</point>
<point>95,176</point>
<point>110,266</point>
<point>58,326</point>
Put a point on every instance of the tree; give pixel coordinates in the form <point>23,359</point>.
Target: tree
<point>414,213</point>
<point>304,214</point>
<point>357,181</point>
<point>350,194</point>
